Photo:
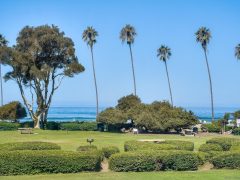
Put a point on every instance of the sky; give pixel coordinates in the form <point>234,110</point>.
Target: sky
<point>172,23</point>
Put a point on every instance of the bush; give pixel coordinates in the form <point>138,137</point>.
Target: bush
<point>12,111</point>
<point>51,125</point>
<point>213,128</point>
<point>29,146</point>
<point>210,147</point>
<point>27,124</point>
<point>152,160</point>
<point>34,162</point>
<point>87,148</point>
<point>7,126</point>
<point>79,126</point>
<point>225,143</point>
<point>235,148</point>
<point>165,145</point>
<point>108,151</point>
<point>236,131</point>
<point>228,160</point>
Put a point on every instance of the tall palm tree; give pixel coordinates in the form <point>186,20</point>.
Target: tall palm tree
<point>128,34</point>
<point>203,36</point>
<point>164,54</point>
<point>237,51</point>
<point>89,36</point>
<point>3,42</point>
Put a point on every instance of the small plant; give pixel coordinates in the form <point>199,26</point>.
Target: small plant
<point>110,150</point>
<point>90,141</point>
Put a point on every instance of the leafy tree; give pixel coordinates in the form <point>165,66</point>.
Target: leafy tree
<point>237,51</point>
<point>128,34</point>
<point>203,36</point>
<point>127,102</point>
<point>89,36</point>
<point>3,43</point>
<point>164,54</point>
<point>112,116</point>
<point>41,58</point>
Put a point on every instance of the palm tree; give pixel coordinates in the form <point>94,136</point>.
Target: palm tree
<point>203,36</point>
<point>237,51</point>
<point>128,34</point>
<point>89,36</point>
<point>3,42</point>
<point>164,54</point>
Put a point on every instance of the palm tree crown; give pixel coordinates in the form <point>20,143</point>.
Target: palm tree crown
<point>164,53</point>
<point>203,35</point>
<point>3,41</point>
<point>89,35</point>
<point>127,34</point>
<point>237,51</point>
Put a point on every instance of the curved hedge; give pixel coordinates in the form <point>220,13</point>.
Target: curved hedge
<point>34,162</point>
<point>210,147</point>
<point>165,145</point>
<point>110,150</point>
<point>229,160</point>
<point>29,146</point>
<point>225,143</point>
<point>153,161</point>
<point>87,148</point>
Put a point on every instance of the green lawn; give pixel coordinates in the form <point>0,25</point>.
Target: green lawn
<point>72,139</point>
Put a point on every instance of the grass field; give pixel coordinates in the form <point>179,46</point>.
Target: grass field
<point>72,139</point>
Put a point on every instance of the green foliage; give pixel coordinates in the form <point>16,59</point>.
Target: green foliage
<point>51,125</point>
<point>29,146</point>
<point>111,116</point>
<point>235,148</point>
<point>165,145</point>
<point>79,126</point>
<point>128,102</point>
<point>229,160</point>
<point>210,147</point>
<point>236,131</point>
<point>7,126</point>
<point>213,127</point>
<point>225,143</point>
<point>152,160</point>
<point>87,148</point>
<point>110,150</point>
<point>35,162</point>
<point>12,111</point>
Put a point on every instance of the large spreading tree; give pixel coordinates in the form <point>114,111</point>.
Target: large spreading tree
<point>42,57</point>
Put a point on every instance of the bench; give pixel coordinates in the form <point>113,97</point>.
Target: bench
<point>26,130</point>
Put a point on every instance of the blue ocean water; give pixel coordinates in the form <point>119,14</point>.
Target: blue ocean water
<point>89,113</point>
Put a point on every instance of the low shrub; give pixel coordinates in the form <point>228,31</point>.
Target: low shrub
<point>229,160</point>
<point>87,148</point>
<point>110,150</point>
<point>29,146</point>
<point>210,147</point>
<point>7,126</point>
<point>235,148</point>
<point>79,126</point>
<point>213,128</point>
<point>152,160</point>
<point>236,131</point>
<point>52,125</point>
<point>34,162</point>
<point>225,143</point>
<point>165,145</point>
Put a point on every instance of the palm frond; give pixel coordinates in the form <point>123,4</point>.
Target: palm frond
<point>203,36</point>
<point>128,34</point>
<point>164,53</point>
<point>89,36</point>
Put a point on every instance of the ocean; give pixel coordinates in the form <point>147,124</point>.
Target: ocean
<point>89,113</point>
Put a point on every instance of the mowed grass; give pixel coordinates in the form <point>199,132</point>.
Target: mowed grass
<point>72,139</point>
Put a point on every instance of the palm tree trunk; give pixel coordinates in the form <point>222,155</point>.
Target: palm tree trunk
<point>134,81</point>
<point>1,83</point>
<point>169,85</point>
<point>210,81</point>
<point>95,81</point>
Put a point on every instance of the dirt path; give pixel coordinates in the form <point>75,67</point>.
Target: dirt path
<point>104,165</point>
<point>206,167</point>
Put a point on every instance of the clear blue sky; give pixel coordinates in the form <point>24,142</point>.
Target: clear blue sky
<point>157,22</point>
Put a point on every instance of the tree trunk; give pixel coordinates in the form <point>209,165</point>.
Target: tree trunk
<point>1,83</point>
<point>36,120</point>
<point>134,81</point>
<point>169,85</point>
<point>95,81</point>
<point>210,81</point>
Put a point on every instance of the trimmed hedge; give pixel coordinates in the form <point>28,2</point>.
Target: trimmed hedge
<point>154,161</point>
<point>235,148</point>
<point>34,162</point>
<point>210,147</point>
<point>229,160</point>
<point>79,126</point>
<point>236,131</point>
<point>7,126</point>
<point>110,150</point>
<point>29,146</point>
<point>225,143</point>
<point>87,148</point>
<point>165,145</point>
